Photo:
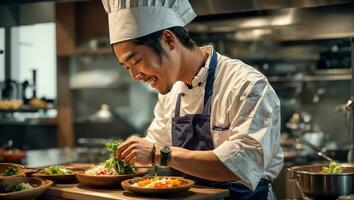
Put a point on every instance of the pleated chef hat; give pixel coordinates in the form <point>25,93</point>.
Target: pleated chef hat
<point>130,19</point>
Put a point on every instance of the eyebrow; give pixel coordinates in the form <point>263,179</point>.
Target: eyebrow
<point>130,56</point>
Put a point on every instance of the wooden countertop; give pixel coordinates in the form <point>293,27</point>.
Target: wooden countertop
<point>82,192</point>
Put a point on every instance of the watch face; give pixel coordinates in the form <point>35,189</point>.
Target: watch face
<point>165,149</point>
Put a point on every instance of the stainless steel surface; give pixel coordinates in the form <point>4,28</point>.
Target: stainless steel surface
<point>314,184</point>
<point>309,78</point>
<point>282,24</point>
<point>351,153</point>
<point>212,7</point>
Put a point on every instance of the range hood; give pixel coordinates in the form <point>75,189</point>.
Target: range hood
<point>284,21</point>
<point>215,7</point>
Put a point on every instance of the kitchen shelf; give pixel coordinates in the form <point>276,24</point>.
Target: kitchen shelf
<point>29,122</point>
<point>119,87</point>
<point>98,51</point>
<point>25,110</point>
<point>308,78</point>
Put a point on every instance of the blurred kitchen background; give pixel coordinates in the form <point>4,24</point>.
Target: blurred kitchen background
<point>61,85</point>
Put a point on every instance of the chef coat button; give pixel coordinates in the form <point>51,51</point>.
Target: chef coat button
<point>200,84</point>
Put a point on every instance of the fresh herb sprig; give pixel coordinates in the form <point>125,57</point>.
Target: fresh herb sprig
<point>117,164</point>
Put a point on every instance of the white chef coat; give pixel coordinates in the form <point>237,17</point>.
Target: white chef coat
<point>245,118</point>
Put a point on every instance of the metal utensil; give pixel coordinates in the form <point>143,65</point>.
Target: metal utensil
<point>317,149</point>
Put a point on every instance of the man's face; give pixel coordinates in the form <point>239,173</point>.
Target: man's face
<point>144,64</point>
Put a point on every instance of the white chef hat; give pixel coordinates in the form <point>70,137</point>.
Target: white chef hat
<point>130,19</point>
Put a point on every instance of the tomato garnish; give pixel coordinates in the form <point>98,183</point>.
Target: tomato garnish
<point>160,185</point>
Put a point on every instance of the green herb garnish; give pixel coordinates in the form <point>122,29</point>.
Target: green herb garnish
<point>117,164</point>
<point>10,171</point>
<point>56,170</point>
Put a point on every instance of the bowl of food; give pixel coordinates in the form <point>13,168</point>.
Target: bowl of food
<point>58,174</point>
<point>104,177</point>
<point>13,156</point>
<point>157,184</point>
<point>324,181</point>
<point>110,173</point>
<point>11,169</point>
<point>22,187</point>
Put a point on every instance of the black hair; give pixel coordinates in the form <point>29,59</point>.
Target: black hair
<point>152,40</point>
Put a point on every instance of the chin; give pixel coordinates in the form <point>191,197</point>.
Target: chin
<point>165,90</point>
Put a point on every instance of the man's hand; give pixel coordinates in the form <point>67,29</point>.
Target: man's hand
<point>135,150</point>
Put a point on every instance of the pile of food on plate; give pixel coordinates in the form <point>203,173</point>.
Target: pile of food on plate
<point>158,182</point>
<point>333,168</point>
<point>15,187</point>
<point>112,166</point>
<point>10,104</point>
<point>56,170</point>
<point>11,171</point>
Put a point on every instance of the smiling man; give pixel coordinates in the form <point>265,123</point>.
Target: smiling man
<point>217,120</point>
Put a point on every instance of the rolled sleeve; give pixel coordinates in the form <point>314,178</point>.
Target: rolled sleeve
<point>239,163</point>
<point>254,125</point>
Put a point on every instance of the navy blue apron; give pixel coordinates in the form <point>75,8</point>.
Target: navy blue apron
<point>192,132</point>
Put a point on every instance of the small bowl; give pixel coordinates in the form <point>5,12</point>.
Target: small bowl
<point>106,181</point>
<point>13,156</point>
<point>70,178</point>
<point>39,186</point>
<point>4,166</point>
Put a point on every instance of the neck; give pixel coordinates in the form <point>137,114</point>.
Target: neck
<point>191,63</point>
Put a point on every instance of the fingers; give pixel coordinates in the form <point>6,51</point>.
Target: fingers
<point>127,150</point>
<point>124,146</point>
<point>130,158</point>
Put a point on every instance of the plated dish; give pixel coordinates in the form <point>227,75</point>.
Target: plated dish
<point>11,169</point>
<point>157,184</point>
<point>58,174</point>
<point>110,173</point>
<point>22,187</point>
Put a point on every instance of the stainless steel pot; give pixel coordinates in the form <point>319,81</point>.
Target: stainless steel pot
<point>316,185</point>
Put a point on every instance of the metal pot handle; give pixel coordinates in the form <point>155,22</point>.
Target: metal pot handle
<point>293,174</point>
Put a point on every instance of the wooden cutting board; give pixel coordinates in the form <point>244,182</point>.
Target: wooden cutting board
<point>82,192</point>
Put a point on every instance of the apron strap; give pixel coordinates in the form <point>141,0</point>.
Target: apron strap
<point>178,104</point>
<point>210,80</point>
<point>207,107</point>
<point>208,88</point>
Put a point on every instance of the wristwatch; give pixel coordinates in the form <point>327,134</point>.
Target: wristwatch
<point>165,155</point>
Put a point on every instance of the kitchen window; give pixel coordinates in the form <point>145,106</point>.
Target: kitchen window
<point>33,47</point>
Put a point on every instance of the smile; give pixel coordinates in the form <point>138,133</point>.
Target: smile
<point>152,81</point>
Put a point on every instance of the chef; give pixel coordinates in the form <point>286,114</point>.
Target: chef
<point>217,119</point>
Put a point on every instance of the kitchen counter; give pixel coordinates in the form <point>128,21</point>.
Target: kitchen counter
<point>82,192</point>
<point>40,158</point>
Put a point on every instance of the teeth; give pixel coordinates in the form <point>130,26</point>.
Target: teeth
<point>139,76</point>
<point>152,81</point>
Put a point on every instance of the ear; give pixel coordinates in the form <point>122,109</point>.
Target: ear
<point>169,39</point>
